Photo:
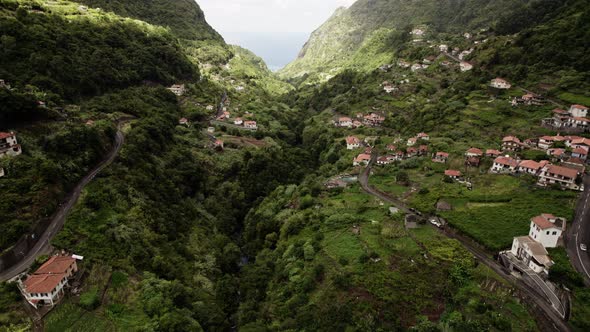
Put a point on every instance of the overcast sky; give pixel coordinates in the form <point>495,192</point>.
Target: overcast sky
<point>269,15</point>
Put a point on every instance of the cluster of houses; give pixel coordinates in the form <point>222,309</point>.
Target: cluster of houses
<point>545,232</point>
<point>9,147</point>
<point>575,119</point>
<point>45,287</point>
<point>529,99</point>
<point>371,120</point>
<point>394,153</point>
<point>247,124</point>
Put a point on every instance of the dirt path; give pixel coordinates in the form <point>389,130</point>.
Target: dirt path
<point>59,217</point>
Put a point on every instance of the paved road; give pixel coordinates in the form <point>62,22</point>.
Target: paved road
<point>579,232</point>
<point>60,215</point>
<point>550,318</point>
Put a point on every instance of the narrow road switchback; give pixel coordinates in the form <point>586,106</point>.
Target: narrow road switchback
<point>578,234</point>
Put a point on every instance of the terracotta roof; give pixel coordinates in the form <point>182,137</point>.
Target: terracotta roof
<point>577,118</point>
<point>43,283</point>
<point>575,161</point>
<point>442,154</point>
<point>563,171</point>
<point>344,119</point>
<point>412,150</point>
<point>56,265</point>
<point>421,135</point>
<point>556,152</point>
<point>580,151</point>
<point>511,139</point>
<point>423,148</point>
<point>475,151</point>
<point>559,111</point>
<point>362,157</point>
<point>531,164</point>
<point>582,107</point>
<point>352,140</point>
<point>493,152</point>
<point>452,172</point>
<point>543,221</point>
<point>506,161</point>
<point>5,135</point>
<point>391,147</point>
<point>581,141</point>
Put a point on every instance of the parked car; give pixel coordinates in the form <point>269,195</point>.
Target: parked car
<point>583,247</point>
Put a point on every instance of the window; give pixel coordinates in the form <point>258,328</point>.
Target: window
<point>554,233</point>
<point>547,232</point>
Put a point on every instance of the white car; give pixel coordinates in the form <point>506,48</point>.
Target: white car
<point>583,247</point>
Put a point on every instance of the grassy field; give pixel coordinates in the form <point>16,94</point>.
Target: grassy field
<point>575,99</point>
<point>499,207</point>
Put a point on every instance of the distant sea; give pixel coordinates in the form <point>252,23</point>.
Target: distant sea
<point>277,49</point>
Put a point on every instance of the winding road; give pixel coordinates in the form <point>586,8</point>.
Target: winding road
<point>549,313</point>
<point>59,217</point>
<point>579,233</point>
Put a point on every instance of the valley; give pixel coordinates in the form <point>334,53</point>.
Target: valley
<point>399,175</point>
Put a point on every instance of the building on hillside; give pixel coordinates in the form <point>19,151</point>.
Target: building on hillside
<point>443,48</point>
<point>418,32</point>
<point>373,120</point>
<point>343,122</point>
<point>511,143</point>
<point>422,150</point>
<point>238,121</point>
<point>352,142</point>
<point>565,177</point>
<point>46,285</point>
<point>412,141</point>
<point>500,83</point>
<point>423,136</point>
<point>580,153</point>
<point>416,67</point>
<point>453,174</point>
<point>580,111</point>
<point>556,153</point>
<point>491,153</point>
<point>183,122</point>
<point>178,89</point>
<point>547,230</point>
<point>384,160</point>
<point>532,254</point>
<point>531,167</point>
<point>9,145</point>
<point>361,159</point>
<point>579,143</point>
<point>474,152</point>
<point>210,107</point>
<point>465,66</point>
<point>441,157</point>
<point>218,144</point>
<point>528,99</point>
<point>403,63</point>
<point>504,165</point>
<point>250,125</point>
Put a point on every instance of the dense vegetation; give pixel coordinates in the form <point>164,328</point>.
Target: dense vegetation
<point>181,235</point>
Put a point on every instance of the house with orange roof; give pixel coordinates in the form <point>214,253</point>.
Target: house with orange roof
<point>250,125</point>
<point>238,121</point>
<point>423,136</point>
<point>531,167</point>
<point>547,229</point>
<point>474,152</point>
<point>557,153</point>
<point>441,157</point>
<point>453,174</point>
<point>46,285</point>
<point>491,153</point>
<point>412,141</point>
<point>361,159</point>
<point>511,143</point>
<point>352,142</point>
<point>580,152</point>
<point>504,165</point>
<point>580,111</point>
<point>565,177</point>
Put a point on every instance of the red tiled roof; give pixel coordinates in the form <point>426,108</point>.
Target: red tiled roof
<point>412,150</point>
<point>352,140</point>
<point>582,107</point>
<point>391,147</point>
<point>5,135</point>
<point>506,161</point>
<point>511,139</point>
<point>421,135</point>
<point>362,157</point>
<point>563,171</point>
<point>423,148</point>
<point>543,221</point>
<point>581,141</point>
<point>442,154</point>
<point>580,151</point>
<point>344,119</point>
<point>452,172</point>
<point>42,283</point>
<point>531,164</point>
<point>493,152</point>
<point>56,265</point>
<point>475,151</point>
<point>559,111</point>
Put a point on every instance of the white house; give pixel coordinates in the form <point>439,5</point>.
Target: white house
<point>532,253</point>
<point>177,89</point>
<point>45,286</point>
<point>352,143</point>
<point>474,152</point>
<point>344,122</point>
<point>443,48</point>
<point>511,143</point>
<point>500,83</point>
<point>547,229</point>
<point>250,125</point>
<point>238,121</point>
<point>531,167</point>
<point>8,145</point>
<point>504,165</point>
<point>579,111</point>
<point>361,159</point>
<point>552,174</point>
<point>416,67</point>
<point>453,174</point>
<point>465,66</point>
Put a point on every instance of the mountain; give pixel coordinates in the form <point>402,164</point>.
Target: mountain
<point>381,26</point>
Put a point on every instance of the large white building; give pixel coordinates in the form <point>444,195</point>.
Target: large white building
<point>547,230</point>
